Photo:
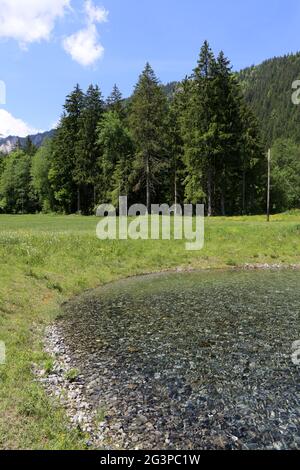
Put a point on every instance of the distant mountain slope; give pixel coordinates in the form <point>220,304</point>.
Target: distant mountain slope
<point>268,89</point>
<point>7,144</point>
<point>169,89</point>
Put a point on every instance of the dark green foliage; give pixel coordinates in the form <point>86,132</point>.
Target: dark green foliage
<point>29,148</point>
<point>170,89</point>
<point>115,163</point>
<point>84,173</point>
<point>148,118</point>
<point>2,156</point>
<point>41,164</point>
<point>285,175</point>
<point>198,129</point>
<point>268,90</point>
<point>216,127</point>
<point>197,141</point>
<point>252,176</point>
<point>62,172</point>
<point>115,102</point>
<point>16,194</point>
<point>174,191</point>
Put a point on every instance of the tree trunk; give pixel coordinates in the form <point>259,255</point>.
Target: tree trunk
<point>223,185</point>
<point>244,192</point>
<point>148,185</point>
<point>209,192</point>
<point>269,185</point>
<point>175,191</point>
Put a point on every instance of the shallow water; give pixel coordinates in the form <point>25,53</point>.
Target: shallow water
<point>192,360</point>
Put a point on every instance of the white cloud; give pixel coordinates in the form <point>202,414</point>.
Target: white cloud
<point>31,20</point>
<point>84,46</point>
<point>95,14</point>
<point>9,125</point>
<point>28,21</point>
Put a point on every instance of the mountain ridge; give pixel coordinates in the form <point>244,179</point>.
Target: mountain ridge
<point>7,144</point>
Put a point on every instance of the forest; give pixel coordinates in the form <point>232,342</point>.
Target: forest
<point>197,141</point>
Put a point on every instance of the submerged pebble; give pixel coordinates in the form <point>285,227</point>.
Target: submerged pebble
<point>183,361</point>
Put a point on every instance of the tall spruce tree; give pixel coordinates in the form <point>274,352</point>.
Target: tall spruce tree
<point>148,115</point>
<point>239,151</point>
<point>63,164</point>
<point>176,146</point>
<point>115,102</point>
<point>221,141</point>
<point>85,172</point>
<point>198,129</point>
<point>228,131</point>
<point>29,147</point>
<point>253,171</point>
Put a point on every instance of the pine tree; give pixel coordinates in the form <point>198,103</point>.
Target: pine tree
<point>176,146</point>
<point>228,131</point>
<point>216,127</point>
<point>148,115</point>
<point>29,148</point>
<point>86,151</point>
<point>253,172</point>
<point>63,164</point>
<point>198,130</point>
<point>115,102</point>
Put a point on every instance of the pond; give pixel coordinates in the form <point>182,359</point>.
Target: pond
<point>191,360</point>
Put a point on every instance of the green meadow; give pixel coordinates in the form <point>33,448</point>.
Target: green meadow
<point>45,260</point>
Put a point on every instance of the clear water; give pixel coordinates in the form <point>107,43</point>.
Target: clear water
<point>204,358</point>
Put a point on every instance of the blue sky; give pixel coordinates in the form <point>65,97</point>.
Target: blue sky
<point>47,46</point>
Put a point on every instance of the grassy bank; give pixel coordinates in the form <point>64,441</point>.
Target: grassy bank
<point>47,259</point>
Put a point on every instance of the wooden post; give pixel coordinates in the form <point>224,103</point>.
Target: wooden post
<point>269,185</point>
